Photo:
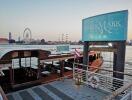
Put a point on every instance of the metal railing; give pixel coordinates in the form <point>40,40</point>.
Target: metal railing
<point>118,88</point>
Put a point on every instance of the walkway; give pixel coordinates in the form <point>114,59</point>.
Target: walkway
<point>58,90</point>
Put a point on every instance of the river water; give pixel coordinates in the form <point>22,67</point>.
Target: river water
<point>52,48</point>
<point>107,56</point>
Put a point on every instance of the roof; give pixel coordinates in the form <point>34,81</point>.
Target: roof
<point>8,54</point>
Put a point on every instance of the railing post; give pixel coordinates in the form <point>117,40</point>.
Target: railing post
<point>73,70</point>
<point>62,68</point>
<point>11,75</point>
<point>39,70</point>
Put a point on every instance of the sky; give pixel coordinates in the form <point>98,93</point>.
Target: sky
<point>49,19</point>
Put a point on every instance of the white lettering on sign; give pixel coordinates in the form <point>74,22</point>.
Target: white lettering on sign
<point>104,27</point>
<point>107,27</point>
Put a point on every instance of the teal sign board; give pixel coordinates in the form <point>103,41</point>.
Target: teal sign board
<point>62,48</point>
<point>106,27</point>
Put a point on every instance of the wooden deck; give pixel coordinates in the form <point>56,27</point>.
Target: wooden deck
<point>43,80</point>
<point>54,77</point>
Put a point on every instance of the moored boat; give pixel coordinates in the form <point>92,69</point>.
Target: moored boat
<point>95,61</point>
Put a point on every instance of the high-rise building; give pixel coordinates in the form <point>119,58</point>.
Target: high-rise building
<point>19,39</point>
<point>67,37</point>
<point>10,37</point>
<point>62,38</point>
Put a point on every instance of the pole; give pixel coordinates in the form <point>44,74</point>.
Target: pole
<point>85,54</point>
<point>85,59</point>
<point>62,68</point>
<point>119,63</point>
<point>119,58</point>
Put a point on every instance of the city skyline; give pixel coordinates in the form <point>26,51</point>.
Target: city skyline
<point>50,19</point>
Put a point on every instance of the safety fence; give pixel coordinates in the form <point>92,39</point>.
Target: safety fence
<point>118,88</point>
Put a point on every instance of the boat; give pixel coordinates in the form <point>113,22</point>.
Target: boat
<point>95,61</point>
<point>53,79</point>
<point>56,79</point>
<point>49,68</point>
<point>66,89</point>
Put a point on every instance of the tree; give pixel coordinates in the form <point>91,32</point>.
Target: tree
<point>42,41</point>
<point>12,41</point>
<point>80,42</point>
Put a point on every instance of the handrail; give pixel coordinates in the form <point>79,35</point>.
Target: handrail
<point>104,69</point>
<point>3,94</point>
<point>116,87</point>
<point>118,91</point>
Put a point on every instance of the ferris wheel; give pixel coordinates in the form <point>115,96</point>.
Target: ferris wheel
<point>27,35</point>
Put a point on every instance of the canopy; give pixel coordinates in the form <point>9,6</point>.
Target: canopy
<point>6,55</point>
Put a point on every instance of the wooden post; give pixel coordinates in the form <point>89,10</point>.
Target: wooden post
<point>25,63</point>
<point>19,55</point>
<point>20,63</point>
<point>30,61</point>
<point>62,68</point>
<point>11,76</point>
<point>38,71</point>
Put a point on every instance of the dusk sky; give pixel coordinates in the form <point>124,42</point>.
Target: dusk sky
<point>49,19</point>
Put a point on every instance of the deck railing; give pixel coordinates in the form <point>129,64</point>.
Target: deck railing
<point>118,88</point>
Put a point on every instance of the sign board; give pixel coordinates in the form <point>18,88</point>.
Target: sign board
<point>106,27</point>
<point>62,48</point>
